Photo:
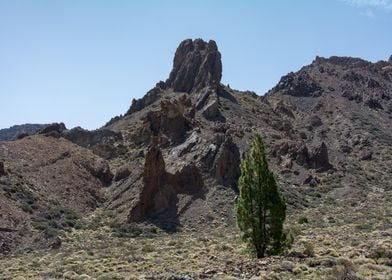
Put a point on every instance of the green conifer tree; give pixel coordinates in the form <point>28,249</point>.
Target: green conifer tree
<point>260,209</point>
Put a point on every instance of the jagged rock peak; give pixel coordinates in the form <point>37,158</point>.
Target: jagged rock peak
<point>196,64</point>
<point>390,58</point>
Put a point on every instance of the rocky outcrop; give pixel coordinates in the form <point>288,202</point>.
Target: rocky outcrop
<point>122,173</point>
<point>227,164</point>
<point>148,99</point>
<point>154,196</point>
<point>366,155</point>
<point>196,64</point>
<point>170,123</point>
<point>211,111</point>
<point>299,85</point>
<point>53,130</point>
<point>87,138</point>
<point>101,141</point>
<point>100,170</point>
<point>208,102</point>
<point>302,156</point>
<point>318,158</point>
<point>311,181</point>
<point>160,188</point>
<point>13,133</point>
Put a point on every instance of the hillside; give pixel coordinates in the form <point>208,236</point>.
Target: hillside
<point>167,210</point>
<point>9,134</point>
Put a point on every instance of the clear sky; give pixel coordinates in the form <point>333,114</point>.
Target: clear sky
<point>82,62</point>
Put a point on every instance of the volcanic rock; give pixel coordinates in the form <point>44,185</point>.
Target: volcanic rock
<point>150,97</point>
<point>312,181</point>
<point>87,138</point>
<point>203,97</point>
<point>170,122</point>
<point>211,111</point>
<point>367,155</point>
<point>196,64</point>
<point>122,173</point>
<point>22,135</point>
<point>227,164</point>
<point>160,189</point>
<point>318,159</point>
<point>12,133</point>
<point>299,85</point>
<point>2,169</point>
<point>302,156</point>
<point>153,197</point>
<point>101,141</point>
<point>53,130</point>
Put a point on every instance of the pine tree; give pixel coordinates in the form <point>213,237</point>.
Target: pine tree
<point>260,209</point>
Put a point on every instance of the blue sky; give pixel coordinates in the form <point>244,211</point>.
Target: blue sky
<point>82,62</point>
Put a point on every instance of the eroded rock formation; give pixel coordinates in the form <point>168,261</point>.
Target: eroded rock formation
<point>196,64</point>
<point>160,189</point>
<point>53,130</point>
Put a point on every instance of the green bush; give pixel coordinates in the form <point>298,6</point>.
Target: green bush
<point>303,220</point>
<point>309,249</point>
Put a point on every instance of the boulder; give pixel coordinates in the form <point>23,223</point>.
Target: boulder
<point>284,109</point>
<point>211,111</point>
<point>318,159</point>
<point>374,104</point>
<point>311,181</point>
<point>367,155</point>
<point>313,122</point>
<point>2,169</point>
<point>197,64</point>
<point>122,173</point>
<point>302,156</point>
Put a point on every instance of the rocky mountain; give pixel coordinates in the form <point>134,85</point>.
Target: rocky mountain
<point>12,133</point>
<point>172,161</point>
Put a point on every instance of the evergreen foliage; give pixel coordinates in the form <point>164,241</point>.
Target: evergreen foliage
<point>260,209</point>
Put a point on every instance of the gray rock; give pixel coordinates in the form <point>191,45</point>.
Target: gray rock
<point>197,64</point>
<point>211,111</point>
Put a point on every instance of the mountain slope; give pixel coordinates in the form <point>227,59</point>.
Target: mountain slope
<point>175,156</point>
